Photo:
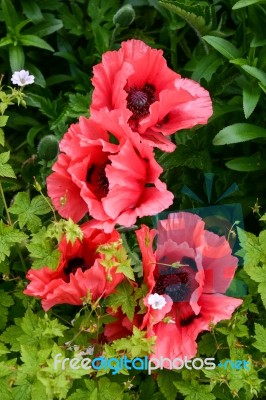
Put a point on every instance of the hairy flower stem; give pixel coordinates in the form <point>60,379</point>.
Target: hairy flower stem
<point>5,205</point>
<point>10,223</point>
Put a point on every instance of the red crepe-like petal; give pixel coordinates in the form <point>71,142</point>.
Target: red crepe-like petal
<point>175,103</point>
<point>70,283</point>
<point>64,193</point>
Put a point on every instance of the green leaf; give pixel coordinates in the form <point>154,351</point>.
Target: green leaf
<point>11,335</point>
<point>260,336</point>
<point>226,48</point>
<point>42,251</point>
<point>255,259</point>
<point>247,164</point>
<point>32,10</point>
<point>5,299</point>
<point>206,66</point>
<point>108,390</point>
<point>32,40</point>
<point>101,37</point>
<point>16,58</point>
<point>3,349</point>
<point>45,28</point>
<point>194,391</point>
<point>165,382</point>
<point>251,96</point>
<point>79,395</point>
<point>237,133</point>
<point>185,156</point>
<point>5,41</point>
<point>201,18</point>
<point>256,73</point>
<point>27,211</point>
<point>3,120</point>
<point>246,3</point>
<point>207,345</point>
<point>39,78</point>
<point>8,237</point>
<point>10,16</point>
<point>123,298</point>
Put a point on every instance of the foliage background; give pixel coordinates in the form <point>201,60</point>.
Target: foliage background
<point>220,44</point>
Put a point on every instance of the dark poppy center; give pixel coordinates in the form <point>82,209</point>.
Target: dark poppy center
<point>178,283</point>
<point>97,180</point>
<point>72,266</point>
<point>140,99</point>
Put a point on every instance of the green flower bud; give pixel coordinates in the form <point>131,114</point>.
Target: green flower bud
<point>124,16</point>
<point>48,148</point>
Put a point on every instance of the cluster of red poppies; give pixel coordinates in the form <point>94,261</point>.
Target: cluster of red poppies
<point>107,169</point>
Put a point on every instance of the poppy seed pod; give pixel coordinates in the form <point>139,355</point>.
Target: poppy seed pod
<point>48,148</point>
<point>124,16</point>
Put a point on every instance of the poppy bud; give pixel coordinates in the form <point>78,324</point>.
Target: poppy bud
<point>124,16</point>
<point>48,148</point>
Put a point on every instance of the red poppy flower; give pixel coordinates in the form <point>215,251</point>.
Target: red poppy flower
<point>187,277</point>
<point>114,183</point>
<point>122,327</point>
<point>156,101</point>
<point>79,274</point>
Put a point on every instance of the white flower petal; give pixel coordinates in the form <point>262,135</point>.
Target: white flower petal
<point>156,301</point>
<point>22,78</point>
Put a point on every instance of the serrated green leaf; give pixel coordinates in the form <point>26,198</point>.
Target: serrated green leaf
<point>3,317</point>
<point>108,390</point>
<point>194,391</point>
<point>4,157</point>
<point>79,395</point>
<point>207,345</point>
<point>8,237</point>
<point>5,299</point>
<point>11,335</point>
<point>123,298</point>
<point>260,336</point>
<point>238,133</point>
<point>3,120</point>
<point>27,211</point>
<point>226,48</point>
<point>201,18</point>
<point>251,246</point>
<point>2,137</point>
<point>33,40</point>
<point>3,350</point>
<point>254,256</point>
<point>165,380</point>
<point>22,392</point>
<point>44,255</point>
<point>6,170</point>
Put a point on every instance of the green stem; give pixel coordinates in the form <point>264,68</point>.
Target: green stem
<point>10,223</point>
<point>113,36</point>
<point>5,205</point>
<point>21,259</point>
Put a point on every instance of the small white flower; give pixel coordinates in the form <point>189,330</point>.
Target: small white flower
<point>22,78</point>
<point>157,301</point>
